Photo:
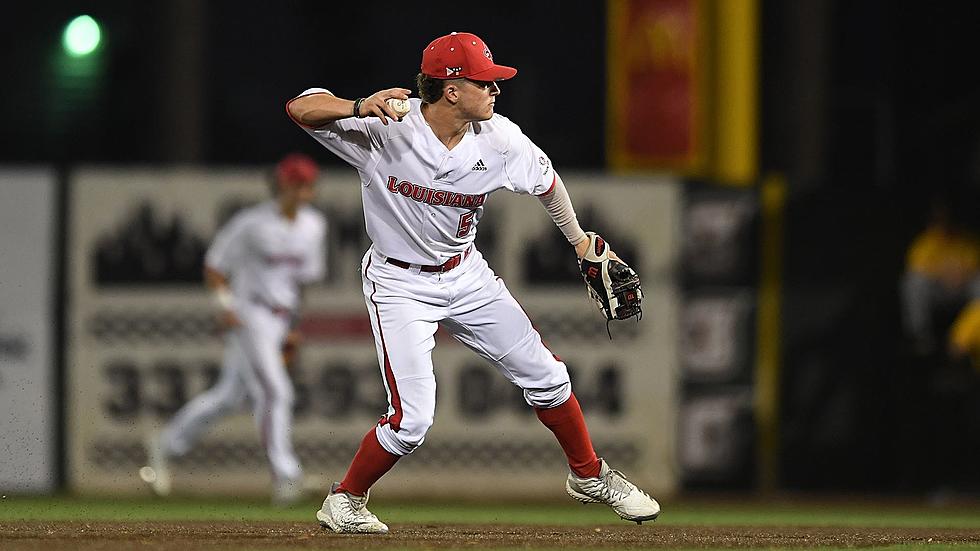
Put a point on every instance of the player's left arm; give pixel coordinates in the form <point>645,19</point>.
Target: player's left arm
<point>559,206</point>
<point>612,284</point>
<point>528,170</point>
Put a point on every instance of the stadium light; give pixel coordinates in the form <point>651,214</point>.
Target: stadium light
<point>82,36</point>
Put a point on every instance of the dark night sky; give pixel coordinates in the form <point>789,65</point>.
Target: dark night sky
<point>900,85</point>
<point>255,58</point>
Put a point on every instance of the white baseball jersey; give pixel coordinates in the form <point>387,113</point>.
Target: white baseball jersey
<point>422,201</point>
<point>268,255</point>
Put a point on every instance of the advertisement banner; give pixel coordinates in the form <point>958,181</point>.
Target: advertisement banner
<point>144,341</point>
<point>655,105</point>
<point>28,421</point>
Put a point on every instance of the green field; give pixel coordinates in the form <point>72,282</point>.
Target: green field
<point>702,523</point>
<point>829,513</point>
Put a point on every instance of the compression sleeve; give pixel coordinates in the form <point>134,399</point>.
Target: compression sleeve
<point>559,205</point>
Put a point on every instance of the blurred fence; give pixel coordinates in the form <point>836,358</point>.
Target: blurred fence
<point>28,281</point>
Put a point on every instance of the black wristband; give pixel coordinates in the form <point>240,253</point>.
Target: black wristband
<point>357,107</point>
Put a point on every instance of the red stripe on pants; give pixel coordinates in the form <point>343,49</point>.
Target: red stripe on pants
<point>396,403</point>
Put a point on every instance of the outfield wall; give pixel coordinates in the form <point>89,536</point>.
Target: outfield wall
<point>28,282</point>
<point>142,341</point>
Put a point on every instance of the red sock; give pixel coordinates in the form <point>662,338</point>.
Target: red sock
<point>568,424</point>
<point>370,463</point>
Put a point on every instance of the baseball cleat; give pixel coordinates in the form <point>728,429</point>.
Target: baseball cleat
<point>348,514</point>
<point>157,472</point>
<point>612,488</point>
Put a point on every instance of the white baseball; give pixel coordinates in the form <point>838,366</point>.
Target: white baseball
<point>401,107</point>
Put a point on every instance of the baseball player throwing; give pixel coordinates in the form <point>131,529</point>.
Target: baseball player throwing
<point>255,267</point>
<point>425,176</point>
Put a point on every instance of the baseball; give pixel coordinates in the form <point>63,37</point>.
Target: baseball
<point>401,107</point>
<point>148,474</point>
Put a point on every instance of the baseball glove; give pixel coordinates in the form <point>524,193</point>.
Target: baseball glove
<point>290,349</point>
<point>612,284</point>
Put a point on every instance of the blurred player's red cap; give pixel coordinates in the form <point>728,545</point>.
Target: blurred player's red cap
<point>462,55</point>
<point>296,169</point>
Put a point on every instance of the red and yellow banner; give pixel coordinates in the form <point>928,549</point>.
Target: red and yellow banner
<point>683,87</point>
<point>655,113</point>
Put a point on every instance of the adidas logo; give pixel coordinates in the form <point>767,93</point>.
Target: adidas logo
<point>479,166</point>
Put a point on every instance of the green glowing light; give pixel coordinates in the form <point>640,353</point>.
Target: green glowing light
<point>82,36</point>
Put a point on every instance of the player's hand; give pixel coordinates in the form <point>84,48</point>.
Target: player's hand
<point>290,348</point>
<point>228,319</point>
<point>376,105</point>
<point>583,246</point>
<point>611,283</point>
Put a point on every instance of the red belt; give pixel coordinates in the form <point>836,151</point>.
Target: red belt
<point>277,310</point>
<point>444,267</point>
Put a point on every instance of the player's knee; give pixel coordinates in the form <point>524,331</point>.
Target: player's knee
<point>224,407</point>
<point>413,429</point>
<point>282,395</point>
<point>400,442</point>
<point>406,436</point>
<point>548,397</point>
<point>278,398</point>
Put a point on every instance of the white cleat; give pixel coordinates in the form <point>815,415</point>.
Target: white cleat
<point>348,514</point>
<point>612,488</point>
<point>156,473</point>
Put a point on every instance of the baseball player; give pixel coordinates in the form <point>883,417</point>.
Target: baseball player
<point>424,180</point>
<point>255,267</point>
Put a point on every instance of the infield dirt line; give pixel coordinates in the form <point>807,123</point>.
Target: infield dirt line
<point>184,536</point>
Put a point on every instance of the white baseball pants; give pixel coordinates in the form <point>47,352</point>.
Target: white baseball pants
<point>406,306</point>
<point>252,368</point>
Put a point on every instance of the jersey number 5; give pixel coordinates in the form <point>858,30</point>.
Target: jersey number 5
<point>465,223</point>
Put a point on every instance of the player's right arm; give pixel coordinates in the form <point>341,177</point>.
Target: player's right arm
<point>321,108</point>
<point>330,121</point>
<point>224,254</point>
<point>217,282</point>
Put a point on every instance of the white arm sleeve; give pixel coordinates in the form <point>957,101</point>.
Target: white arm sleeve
<point>559,206</point>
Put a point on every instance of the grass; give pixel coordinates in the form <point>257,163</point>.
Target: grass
<point>840,513</point>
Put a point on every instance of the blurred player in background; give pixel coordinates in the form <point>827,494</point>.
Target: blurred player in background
<point>942,275</point>
<point>941,304</point>
<point>425,176</point>
<point>255,268</point>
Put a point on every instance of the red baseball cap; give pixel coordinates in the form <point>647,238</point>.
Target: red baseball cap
<point>295,169</point>
<point>462,55</point>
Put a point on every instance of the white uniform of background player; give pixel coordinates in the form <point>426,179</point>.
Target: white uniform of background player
<point>256,265</point>
<point>424,181</point>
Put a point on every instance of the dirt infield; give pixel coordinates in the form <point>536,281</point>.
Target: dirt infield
<point>185,536</point>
